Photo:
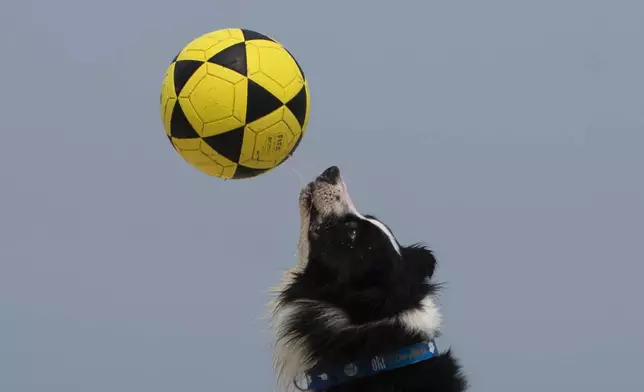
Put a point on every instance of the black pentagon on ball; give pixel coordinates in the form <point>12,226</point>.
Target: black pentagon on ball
<point>297,143</point>
<point>180,127</point>
<point>297,105</point>
<point>243,172</point>
<point>233,58</point>
<point>250,35</point>
<point>260,102</point>
<point>229,144</point>
<point>183,71</point>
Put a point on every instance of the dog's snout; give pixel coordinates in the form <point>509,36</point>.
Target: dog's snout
<point>326,196</point>
<point>330,175</point>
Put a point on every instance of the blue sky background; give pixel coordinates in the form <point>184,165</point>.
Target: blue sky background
<point>507,135</point>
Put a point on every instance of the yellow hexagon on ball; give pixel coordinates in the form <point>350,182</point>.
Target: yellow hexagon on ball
<point>234,103</point>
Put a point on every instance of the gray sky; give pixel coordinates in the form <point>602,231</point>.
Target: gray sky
<point>507,135</point>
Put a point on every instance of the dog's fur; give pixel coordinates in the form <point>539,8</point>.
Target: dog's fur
<point>354,293</point>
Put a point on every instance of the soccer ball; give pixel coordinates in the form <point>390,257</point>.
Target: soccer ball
<point>234,103</point>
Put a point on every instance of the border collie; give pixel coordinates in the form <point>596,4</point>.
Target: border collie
<point>358,312</point>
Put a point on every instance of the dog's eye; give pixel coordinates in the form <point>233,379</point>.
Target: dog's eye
<point>351,225</point>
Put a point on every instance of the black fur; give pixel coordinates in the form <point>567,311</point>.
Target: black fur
<point>353,267</point>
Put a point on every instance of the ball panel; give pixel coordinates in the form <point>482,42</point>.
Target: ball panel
<point>191,55</point>
<point>221,47</point>
<point>197,158</point>
<point>204,163</point>
<point>282,137</point>
<point>184,71</point>
<point>226,172</point>
<point>222,126</point>
<point>293,89</point>
<point>213,98</point>
<point>207,40</point>
<point>248,146</point>
<point>204,47</point>
<point>221,109</point>
<point>190,125</point>
<point>167,87</point>
<point>257,164</point>
<point>233,58</point>
<point>274,142</point>
<point>296,145</point>
<point>264,122</point>
<point>251,35</point>
<point>298,106</point>
<point>198,154</point>
<point>168,98</point>
<point>236,33</point>
<point>271,66</point>
<point>243,172</point>
<point>167,110</point>
<point>260,102</point>
<point>190,79</point>
<point>214,155</point>
<point>293,125</point>
<point>266,141</point>
<point>227,144</point>
<point>180,126</point>
<point>224,73</point>
<point>187,144</point>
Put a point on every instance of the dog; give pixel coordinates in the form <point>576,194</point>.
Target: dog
<point>358,312</point>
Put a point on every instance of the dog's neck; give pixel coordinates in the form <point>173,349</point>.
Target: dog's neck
<point>295,352</point>
<point>325,376</point>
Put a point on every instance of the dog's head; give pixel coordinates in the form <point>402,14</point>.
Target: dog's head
<point>337,239</point>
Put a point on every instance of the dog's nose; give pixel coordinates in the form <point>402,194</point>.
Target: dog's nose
<point>330,175</point>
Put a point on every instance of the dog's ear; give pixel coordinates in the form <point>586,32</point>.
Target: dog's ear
<point>421,258</point>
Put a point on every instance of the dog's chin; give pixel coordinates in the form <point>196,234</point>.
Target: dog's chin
<point>321,197</point>
<point>306,207</point>
<point>306,199</point>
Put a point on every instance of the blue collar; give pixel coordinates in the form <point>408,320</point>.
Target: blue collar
<point>323,377</point>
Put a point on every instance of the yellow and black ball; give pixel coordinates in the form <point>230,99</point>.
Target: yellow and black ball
<point>235,103</point>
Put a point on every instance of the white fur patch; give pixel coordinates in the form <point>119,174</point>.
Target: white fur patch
<point>380,225</point>
<point>384,229</point>
<point>427,319</point>
<point>289,355</point>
